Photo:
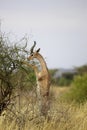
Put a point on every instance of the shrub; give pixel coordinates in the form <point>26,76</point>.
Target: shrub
<point>13,73</point>
<point>78,92</point>
<point>64,82</point>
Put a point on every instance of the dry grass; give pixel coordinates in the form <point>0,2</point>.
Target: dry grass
<point>61,116</point>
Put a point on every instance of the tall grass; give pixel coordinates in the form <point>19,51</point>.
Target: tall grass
<point>61,116</point>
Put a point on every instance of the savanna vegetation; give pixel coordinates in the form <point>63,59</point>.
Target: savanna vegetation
<point>12,71</point>
<point>18,105</point>
<point>65,80</point>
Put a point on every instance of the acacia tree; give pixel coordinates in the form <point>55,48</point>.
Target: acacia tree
<point>10,63</point>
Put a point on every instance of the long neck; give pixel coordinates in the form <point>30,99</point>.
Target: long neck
<point>42,62</point>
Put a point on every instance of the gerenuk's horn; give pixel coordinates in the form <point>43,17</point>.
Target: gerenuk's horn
<point>32,48</point>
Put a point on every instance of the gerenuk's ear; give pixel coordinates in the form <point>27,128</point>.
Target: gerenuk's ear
<point>38,50</point>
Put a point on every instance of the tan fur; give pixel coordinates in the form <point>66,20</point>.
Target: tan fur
<point>43,81</point>
<point>42,78</point>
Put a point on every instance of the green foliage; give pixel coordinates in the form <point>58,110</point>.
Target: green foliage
<point>82,69</point>
<point>78,92</point>
<point>64,81</point>
<point>29,78</point>
<point>52,73</point>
